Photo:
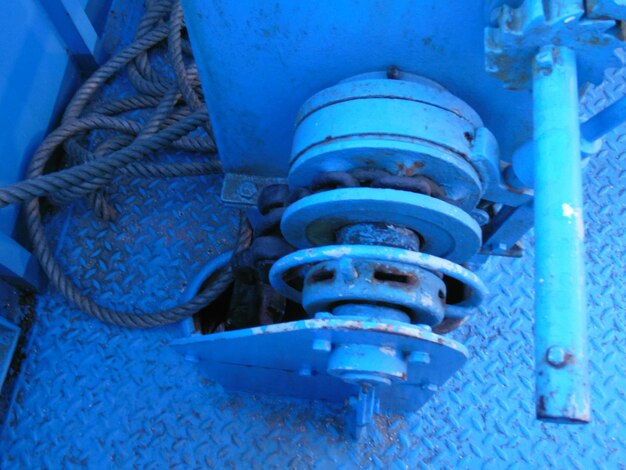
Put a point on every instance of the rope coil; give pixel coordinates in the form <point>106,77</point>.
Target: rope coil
<point>103,139</point>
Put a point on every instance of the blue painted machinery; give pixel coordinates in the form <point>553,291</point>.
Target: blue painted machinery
<point>383,151</point>
<point>426,136</point>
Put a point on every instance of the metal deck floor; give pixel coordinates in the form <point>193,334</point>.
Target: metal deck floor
<point>97,396</point>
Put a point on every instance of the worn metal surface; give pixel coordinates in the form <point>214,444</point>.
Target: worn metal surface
<point>390,157</point>
<point>448,231</point>
<point>409,293</point>
<point>407,125</point>
<point>299,49</point>
<point>296,262</point>
<point>517,32</point>
<point>606,9</point>
<point>97,395</point>
<point>330,358</point>
<point>121,397</point>
<point>419,136</point>
<point>244,190</point>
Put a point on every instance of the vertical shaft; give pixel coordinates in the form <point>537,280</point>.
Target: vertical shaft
<point>562,384</point>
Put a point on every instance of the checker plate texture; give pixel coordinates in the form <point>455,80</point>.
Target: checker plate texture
<point>99,396</point>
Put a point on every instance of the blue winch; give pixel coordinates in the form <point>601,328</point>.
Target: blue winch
<point>382,208</point>
<point>394,183</point>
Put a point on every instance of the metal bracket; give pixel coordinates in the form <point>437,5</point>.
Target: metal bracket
<point>518,33</point>
<point>243,190</point>
<point>75,28</point>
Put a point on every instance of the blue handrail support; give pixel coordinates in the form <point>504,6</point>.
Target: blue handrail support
<point>561,317</point>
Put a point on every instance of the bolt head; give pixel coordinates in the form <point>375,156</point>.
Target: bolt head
<point>556,356</point>
<point>545,59</point>
<point>247,189</point>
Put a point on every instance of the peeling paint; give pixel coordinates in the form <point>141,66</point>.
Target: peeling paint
<point>575,214</point>
<point>388,351</point>
<point>568,211</point>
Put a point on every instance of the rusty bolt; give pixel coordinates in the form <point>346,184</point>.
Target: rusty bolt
<point>393,73</point>
<point>556,356</point>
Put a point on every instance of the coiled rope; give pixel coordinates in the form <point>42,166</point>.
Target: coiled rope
<point>103,139</point>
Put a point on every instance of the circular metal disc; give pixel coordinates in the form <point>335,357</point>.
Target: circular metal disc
<point>407,158</point>
<point>407,126</point>
<point>406,86</point>
<point>295,265</point>
<point>446,230</point>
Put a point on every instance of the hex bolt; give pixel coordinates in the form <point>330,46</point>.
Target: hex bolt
<point>556,356</point>
<point>247,190</point>
<point>419,357</point>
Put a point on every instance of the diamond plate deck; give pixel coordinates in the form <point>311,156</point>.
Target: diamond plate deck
<point>98,396</point>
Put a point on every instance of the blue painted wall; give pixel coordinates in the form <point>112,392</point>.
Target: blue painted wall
<point>33,67</point>
<point>37,77</point>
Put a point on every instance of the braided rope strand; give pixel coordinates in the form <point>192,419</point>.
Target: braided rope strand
<point>177,121</point>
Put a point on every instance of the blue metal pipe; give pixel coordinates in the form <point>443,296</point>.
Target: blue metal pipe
<point>562,384</point>
<point>520,174</point>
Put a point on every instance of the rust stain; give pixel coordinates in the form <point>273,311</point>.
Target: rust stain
<point>409,170</point>
<point>395,276</point>
<point>541,405</point>
<point>569,358</point>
